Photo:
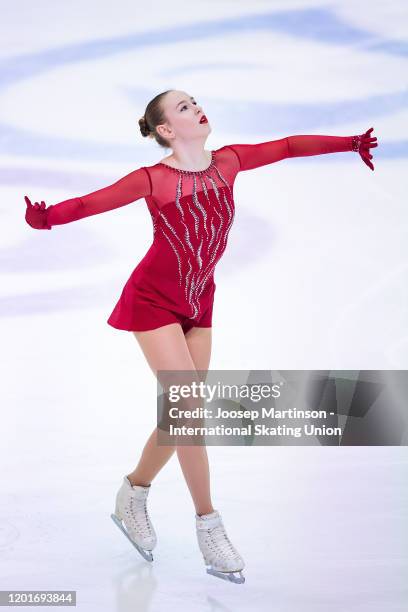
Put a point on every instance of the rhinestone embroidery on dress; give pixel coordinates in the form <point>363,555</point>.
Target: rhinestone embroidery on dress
<point>209,240</point>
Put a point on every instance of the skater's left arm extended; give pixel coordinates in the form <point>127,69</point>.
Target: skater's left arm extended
<point>255,155</point>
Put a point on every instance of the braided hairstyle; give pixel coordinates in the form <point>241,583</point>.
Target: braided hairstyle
<point>154,116</point>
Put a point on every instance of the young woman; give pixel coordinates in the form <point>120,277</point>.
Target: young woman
<point>167,301</point>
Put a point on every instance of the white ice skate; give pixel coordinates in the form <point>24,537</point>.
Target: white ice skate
<point>216,548</point>
<point>132,518</point>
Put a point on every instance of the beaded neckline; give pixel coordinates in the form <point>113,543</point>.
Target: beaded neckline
<point>190,171</point>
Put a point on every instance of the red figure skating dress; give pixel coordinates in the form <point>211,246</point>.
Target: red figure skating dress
<point>192,214</point>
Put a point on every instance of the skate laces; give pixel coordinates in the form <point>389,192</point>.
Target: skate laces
<point>219,537</point>
<point>138,512</point>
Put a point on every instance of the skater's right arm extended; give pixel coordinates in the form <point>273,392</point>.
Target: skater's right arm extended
<point>131,187</point>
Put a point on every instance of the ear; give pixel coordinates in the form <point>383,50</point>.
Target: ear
<point>163,130</point>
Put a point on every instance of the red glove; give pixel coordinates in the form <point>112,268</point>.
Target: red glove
<point>363,144</point>
<point>36,215</point>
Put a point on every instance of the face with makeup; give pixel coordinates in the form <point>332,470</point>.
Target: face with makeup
<point>183,114</point>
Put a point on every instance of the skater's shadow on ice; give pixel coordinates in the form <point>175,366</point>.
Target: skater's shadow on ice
<point>135,587</point>
<point>215,605</point>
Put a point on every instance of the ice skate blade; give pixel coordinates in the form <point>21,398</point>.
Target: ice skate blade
<point>230,576</point>
<point>145,553</point>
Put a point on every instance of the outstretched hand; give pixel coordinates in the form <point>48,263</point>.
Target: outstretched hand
<point>36,214</point>
<point>367,142</point>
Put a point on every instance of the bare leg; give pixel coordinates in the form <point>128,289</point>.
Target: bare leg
<point>153,458</point>
<point>167,348</point>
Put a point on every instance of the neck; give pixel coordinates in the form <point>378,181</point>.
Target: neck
<point>193,158</point>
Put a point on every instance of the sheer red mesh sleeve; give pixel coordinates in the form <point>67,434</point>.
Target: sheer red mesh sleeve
<point>255,155</point>
<point>131,187</point>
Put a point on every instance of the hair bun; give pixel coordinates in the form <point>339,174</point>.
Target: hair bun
<point>144,129</point>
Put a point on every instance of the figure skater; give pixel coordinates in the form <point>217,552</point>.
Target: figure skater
<point>167,301</point>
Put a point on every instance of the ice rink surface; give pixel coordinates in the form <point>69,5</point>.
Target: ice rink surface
<point>314,277</point>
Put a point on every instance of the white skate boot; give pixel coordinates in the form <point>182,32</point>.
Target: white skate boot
<point>216,548</point>
<point>131,509</point>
